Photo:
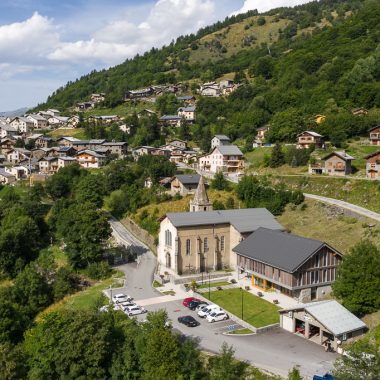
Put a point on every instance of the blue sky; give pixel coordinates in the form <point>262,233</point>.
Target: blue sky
<point>45,43</point>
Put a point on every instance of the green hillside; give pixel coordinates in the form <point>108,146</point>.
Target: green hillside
<point>319,58</point>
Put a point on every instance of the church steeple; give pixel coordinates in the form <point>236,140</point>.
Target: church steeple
<point>200,201</point>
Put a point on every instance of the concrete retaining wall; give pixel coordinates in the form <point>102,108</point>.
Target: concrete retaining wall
<point>264,329</point>
<point>140,233</point>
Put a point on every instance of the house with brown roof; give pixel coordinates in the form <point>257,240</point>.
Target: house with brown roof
<point>373,165</point>
<point>374,135</point>
<point>308,138</point>
<point>338,163</point>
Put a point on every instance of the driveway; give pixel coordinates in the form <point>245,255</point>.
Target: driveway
<point>276,351</point>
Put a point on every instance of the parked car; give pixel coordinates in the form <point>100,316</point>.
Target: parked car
<point>217,316</point>
<point>327,376</point>
<point>187,300</point>
<point>201,306</point>
<point>127,304</point>
<point>195,303</point>
<point>134,310</point>
<point>188,321</point>
<point>203,313</point>
<point>121,297</point>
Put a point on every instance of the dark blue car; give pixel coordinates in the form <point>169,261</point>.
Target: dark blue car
<point>325,377</point>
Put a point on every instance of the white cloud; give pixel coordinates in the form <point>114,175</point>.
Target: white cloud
<point>123,39</point>
<point>263,6</point>
<point>28,40</point>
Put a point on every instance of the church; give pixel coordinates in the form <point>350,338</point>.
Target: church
<point>203,239</point>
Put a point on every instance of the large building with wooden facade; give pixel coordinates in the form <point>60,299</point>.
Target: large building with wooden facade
<point>298,267</point>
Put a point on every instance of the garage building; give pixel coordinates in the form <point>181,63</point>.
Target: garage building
<point>324,322</point>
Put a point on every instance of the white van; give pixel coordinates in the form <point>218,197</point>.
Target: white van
<point>207,310</point>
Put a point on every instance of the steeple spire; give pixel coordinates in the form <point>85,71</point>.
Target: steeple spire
<point>200,201</point>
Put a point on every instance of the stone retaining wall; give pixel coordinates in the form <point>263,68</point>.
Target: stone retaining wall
<point>198,277</point>
<point>140,233</point>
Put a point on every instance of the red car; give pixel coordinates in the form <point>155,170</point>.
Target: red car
<point>186,301</point>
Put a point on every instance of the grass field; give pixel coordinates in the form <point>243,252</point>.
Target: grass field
<point>124,109</point>
<point>241,332</point>
<point>256,311</point>
<point>214,284</point>
<point>318,221</point>
<point>79,133</point>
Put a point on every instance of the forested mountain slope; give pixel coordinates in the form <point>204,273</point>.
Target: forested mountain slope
<point>322,57</point>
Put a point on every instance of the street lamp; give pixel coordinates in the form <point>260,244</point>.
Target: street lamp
<point>242,304</point>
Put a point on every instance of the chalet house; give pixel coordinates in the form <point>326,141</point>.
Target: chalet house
<point>16,155</point>
<point>170,120</point>
<point>67,141</point>
<point>53,112</point>
<point>6,178</point>
<point>58,121</point>
<point>160,152</point>
<point>325,323</point>
<point>261,132</point>
<point>298,267</point>
<point>308,138</point>
<point>138,94</point>
<point>184,184</point>
<point>22,124</point>
<point>48,165</point>
<point>224,158</point>
<point>200,241</point>
<point>7,130</point>
<point>338,163</point>
<point>39,121</point>
<point>73,121</point>
<point>2,160</point>
<point>43,142</point>
<point>141,151</point>
<point>29,165</point>
<point>177,155</point>
<point>188,100</point>
<point>88,144</point>
<point>83,106</point>
<point>90,160</point>
<point>39,153</point>
<point>6,145</point>
<point>374,135</point>
<point>146,113</point>
<point>19,172</point>
<point>108,119</point>
<point>175,144</point>
<point>187,112</point>
<point>359,111</point>
<point>65,161</point>
<point>373,165</point>
<point>119,148</point>
<point>218,140</point>
<point>211,89</point>
<point>65,151</point>
<point>97,98</point>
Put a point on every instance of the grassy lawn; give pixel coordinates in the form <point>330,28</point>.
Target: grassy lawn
<point>318,221</point>
<point>214,284</point>
<point>79,133</point>
<point>257,312</point>
<point>241,332</point>
<point>124,109</point>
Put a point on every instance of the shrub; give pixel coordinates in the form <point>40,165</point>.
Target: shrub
<point>98,271</point>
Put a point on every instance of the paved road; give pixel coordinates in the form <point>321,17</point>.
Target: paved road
<point>348,206</point>
<point>139,274</point>
<point>276,351</point>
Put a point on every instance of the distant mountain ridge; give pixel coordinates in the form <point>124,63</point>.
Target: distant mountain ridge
<point>18,112</point>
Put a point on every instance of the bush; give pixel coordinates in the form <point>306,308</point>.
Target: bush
<point>261,21</point>
<point>98,271</point>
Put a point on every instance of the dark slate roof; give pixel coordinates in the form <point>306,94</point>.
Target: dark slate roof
<point>188,179</point>
<point>244,220</point>
<point>278,249</point>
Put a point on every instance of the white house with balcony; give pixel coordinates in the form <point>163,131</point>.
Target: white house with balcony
<point>224,158</point>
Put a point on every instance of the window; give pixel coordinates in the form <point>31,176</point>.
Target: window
<point>316,276</point>
<point>317,260</point>
<point>205,245</point>
<point>168,238</point>
<point>325,275</point>
<point>312,278</point>
<point>222,243</point>
<point>188,247</point>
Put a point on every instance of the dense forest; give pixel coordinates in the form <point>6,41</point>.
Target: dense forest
<point>326,61</point>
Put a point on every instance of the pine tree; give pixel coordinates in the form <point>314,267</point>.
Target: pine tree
<point>277,157</point>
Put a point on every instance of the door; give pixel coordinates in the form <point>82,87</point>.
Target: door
<point>287,323</point>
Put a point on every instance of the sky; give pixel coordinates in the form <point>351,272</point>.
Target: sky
<point>46,43</point>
